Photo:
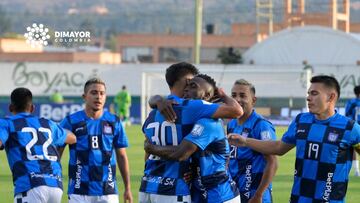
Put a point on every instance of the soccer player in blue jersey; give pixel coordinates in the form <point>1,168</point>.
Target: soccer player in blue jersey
<point>30,144</point>
<point>324,141</point>
<point>100,139</point>
<point>352,110</point>
<point>207,141</point>
<point>252,171</point>
<point>163,179</point>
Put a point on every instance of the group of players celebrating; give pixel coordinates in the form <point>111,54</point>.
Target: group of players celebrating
<point>189,156</point>
<point>185,136</point>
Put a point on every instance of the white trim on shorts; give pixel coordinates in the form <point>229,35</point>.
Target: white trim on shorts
<point>40,194</point>
<point>236,199</point>
<point>75,198</point>
<point>155,198</point>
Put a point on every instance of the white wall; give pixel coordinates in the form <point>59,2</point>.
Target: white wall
<point>270,81</point>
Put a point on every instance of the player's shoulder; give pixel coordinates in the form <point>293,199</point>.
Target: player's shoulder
<point>76,116</point>
<point>43,120</point>
<point>195,102</point>
<point>305,117</point>
<point>350,101</point>
<point>210,124</point>
<point>258,119</point>
<point>4,120</point>
<point>208,121</point>
<point>151,117</point>
<point>108,116</point>
<point>341,120</point>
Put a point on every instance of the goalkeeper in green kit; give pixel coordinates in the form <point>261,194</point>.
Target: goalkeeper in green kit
<point>122,102</point>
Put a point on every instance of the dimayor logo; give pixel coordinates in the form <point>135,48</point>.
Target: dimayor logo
<point>72,36</point>
<point>37,35</point>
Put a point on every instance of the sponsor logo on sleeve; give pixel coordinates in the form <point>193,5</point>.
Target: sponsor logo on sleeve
<point>265,135</point>
<point>197,130</point>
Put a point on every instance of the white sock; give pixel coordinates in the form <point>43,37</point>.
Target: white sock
<point>355,165</point>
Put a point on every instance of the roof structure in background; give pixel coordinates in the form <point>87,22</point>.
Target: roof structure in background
<point>314,44</point>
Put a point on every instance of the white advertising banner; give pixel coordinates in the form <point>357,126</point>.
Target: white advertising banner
<point>69,78</point>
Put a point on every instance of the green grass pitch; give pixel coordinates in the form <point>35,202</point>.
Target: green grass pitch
<point>281,185</point>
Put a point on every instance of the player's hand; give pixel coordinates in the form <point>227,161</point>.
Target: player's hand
<point>147,146</point>
<point>255,199</point>
<point>236,140</point>
<point>220,92</point>
<point>128,196</point>
<point>166,109</point>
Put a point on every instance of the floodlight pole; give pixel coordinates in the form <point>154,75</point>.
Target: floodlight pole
<point>198,30</point>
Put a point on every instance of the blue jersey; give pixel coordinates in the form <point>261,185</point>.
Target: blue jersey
<point>324,150</point>
<point>92,165</point>
<point>352,109</point>
<point>162,176</point>
<point>212,181</point>
<point>30,143</point>
<point>246,165</point>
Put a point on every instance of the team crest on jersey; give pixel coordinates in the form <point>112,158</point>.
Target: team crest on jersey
<point>197,130</point>
<point>107,129</point>
<point>333,137</point>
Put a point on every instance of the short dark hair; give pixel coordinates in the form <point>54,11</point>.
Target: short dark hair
<point>208,79</point>
<point>246,83</point>
<point>328,81</point>
<point>93,81</point>
<point>177,71</point>
<point>357,90</point>
<point>21,98</point>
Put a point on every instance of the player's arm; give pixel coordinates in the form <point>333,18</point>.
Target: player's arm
<point>268,147</point>
<point>357,148</point>
<point>164,106</point>
<point>230,109</point>
<point>178,153</point>
<point>146,156</point>
<point>60,151</point>
<point>123,164</point>
<point>70,137</point>
<point>265,132</point>
<point>4,133</point>
<point>355,137</point>
<point>265,147</point>
<point>268,174</point>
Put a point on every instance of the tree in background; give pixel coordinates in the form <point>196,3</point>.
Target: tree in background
<point>229,56</point>
<point>5,23</point>
<point>110,38</point>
